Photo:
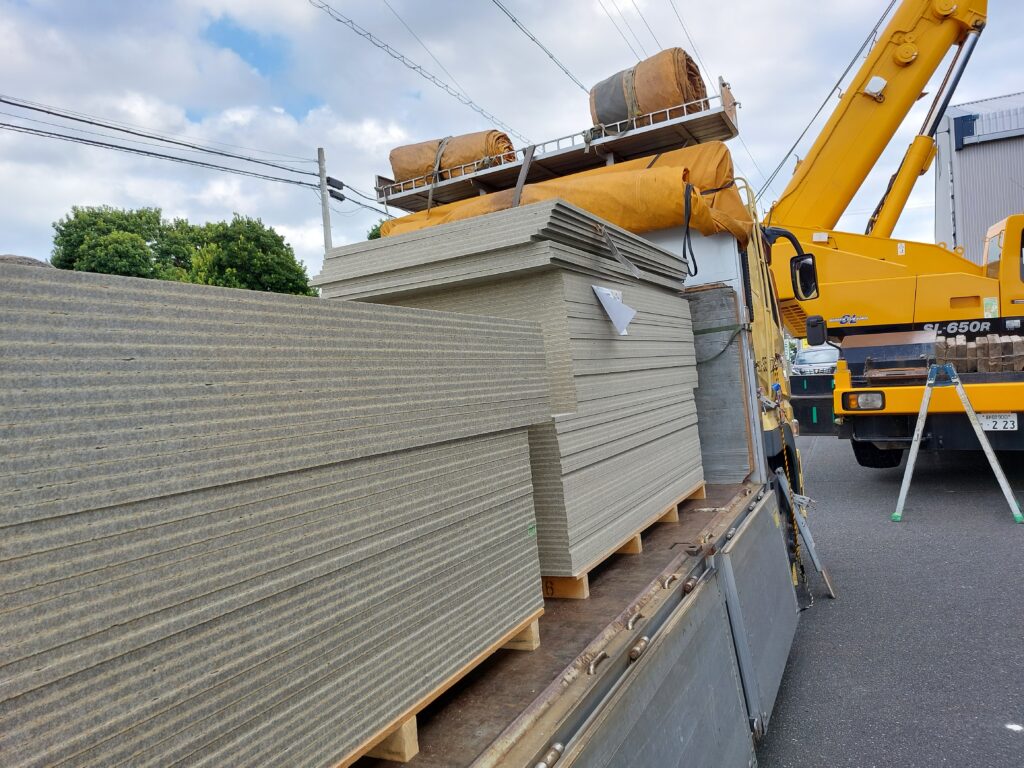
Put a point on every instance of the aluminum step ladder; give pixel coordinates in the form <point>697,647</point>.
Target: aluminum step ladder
<point>915,445</point>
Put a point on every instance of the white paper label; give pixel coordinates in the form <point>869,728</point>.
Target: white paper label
<point>620,314</point>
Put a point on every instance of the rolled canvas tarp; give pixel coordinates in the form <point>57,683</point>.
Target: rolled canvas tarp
<point>480,149</point>
<point>667,79</point>
<point>639,195</point>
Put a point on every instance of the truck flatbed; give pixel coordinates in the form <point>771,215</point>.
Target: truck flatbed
<point>513,704</point>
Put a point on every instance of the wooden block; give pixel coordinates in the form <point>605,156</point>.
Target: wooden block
<point>940,350</point>
<point>700,493</point>
<point>995,352</point>
<point>671,515</point>
<point>959,351</point>
<point>527,640</point>
<point>634,546</point>
<point>971,363</point>
<point>982,345</point>
<point>1018,352</point>
<point>401,745</point>
<point>1006,353</point>
<point>567,587</point>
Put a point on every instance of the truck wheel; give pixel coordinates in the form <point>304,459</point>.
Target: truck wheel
<point>868,455</point>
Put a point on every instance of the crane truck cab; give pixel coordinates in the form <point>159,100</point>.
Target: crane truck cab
<point>879,378</point>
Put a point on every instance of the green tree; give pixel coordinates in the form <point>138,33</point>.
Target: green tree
<point>242,253</point>
<point>71,232</point>
<point>176,243</point>
<point>374,233</point>
<point>115,253</point>
<point>245,253</point>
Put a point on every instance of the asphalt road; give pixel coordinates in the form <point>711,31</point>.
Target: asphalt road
<point>920,662</point>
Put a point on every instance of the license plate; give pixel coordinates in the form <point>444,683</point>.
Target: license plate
<point>998,422</point>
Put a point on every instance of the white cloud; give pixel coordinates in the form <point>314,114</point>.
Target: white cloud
<point>150,64</point>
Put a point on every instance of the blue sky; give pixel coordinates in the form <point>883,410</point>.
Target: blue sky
<point>280,78</point>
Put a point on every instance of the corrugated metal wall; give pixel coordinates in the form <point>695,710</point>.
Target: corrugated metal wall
<point>991,187</point>
<point>982,181</point>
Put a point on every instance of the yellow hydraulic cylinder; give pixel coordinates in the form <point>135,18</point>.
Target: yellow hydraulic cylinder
<point>915,163</point>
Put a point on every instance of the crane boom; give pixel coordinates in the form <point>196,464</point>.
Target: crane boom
<point>892,77</point>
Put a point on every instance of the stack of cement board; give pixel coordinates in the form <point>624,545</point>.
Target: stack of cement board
<point>622,445</point>
<point>250,529</point>
<point>514,240</point>
<point>725,432</point>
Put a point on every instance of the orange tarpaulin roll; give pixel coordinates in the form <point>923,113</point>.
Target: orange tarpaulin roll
<point>667,79</point>
<point>478,149</point>
<point>639,195</point>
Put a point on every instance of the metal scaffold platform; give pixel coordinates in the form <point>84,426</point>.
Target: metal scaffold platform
<point>710,119</point>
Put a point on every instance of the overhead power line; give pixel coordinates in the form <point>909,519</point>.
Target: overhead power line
<point>690,40</point>
<point>163,135</point>
<point>540,45</point>
<point>618,28</point>
<point>622,16</point>
<point>832,90</point>
<point>346,199</point>
<point>94,121</point>
<point>149,153</point>
<point>644,20</point>
<point>425,74</point>
<point>184,160</point>
<point>711,81</point>
<point>424,46</point>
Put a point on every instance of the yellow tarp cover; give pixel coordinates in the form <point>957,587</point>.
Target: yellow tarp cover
<point>415,160</point>
<point>638,195</point>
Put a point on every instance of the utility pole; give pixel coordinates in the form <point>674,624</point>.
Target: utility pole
<point>325,200</point>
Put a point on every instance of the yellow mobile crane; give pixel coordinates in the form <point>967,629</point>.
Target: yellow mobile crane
<point>886,299</point>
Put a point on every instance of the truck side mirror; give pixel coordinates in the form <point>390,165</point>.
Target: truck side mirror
<point>805,276</point>
<point>817,331</point>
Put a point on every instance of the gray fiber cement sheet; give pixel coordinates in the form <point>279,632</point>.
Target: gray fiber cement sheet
<point>250,529</point>
<point>724,431</point>
<point>622,444</point>
<point>553,220</point>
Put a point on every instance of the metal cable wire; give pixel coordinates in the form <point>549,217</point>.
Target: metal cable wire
<point>94,121</point>
<point>622,16</point>
<point>713,82</point>
<point>147,153</point>
<point>424,46</point>
<point>376,210</point>
<point>824,103</point>
<point>77,130</point>
<point>425,74</point>
<point>644,20</point>
<point>163,136</point>
<point>618,28</point>
<point>540,45</point>
<point>693,45</point>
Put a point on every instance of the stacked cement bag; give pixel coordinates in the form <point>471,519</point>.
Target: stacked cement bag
<point>250,529</point>
<point>622,444</point>
<point>667,79</point>
<point>440,159</point>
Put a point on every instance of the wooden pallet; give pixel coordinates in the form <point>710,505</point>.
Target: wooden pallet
<point>578,587</point>
<point>399,739</point>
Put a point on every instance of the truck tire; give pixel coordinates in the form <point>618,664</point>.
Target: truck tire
<point>868,455</point>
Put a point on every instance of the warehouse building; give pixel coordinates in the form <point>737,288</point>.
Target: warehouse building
<point>979,170</point>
